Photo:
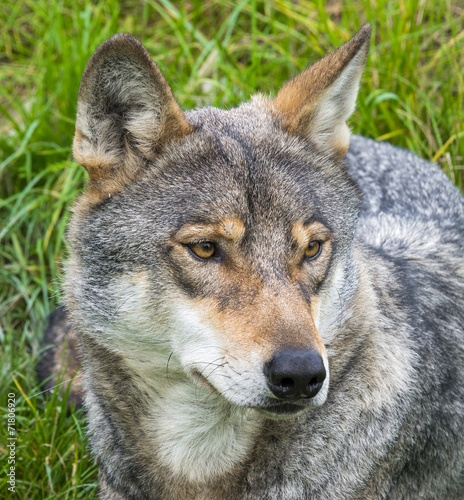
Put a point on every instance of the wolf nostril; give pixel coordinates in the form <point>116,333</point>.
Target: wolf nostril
<point>285,386</point>
<point>287,383</point>
<point>295,374</point>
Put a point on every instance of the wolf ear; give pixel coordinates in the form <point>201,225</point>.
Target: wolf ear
<point>317,102</point>
<point>125,111</point>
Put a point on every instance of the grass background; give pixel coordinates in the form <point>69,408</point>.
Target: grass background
<point>212,52</point>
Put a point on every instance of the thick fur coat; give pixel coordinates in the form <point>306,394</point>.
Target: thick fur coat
<point>211,244</point>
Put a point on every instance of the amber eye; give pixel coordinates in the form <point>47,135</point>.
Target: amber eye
<point>203,249</point>
<point>313,250</point>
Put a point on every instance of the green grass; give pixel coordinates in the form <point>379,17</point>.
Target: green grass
<point>212,52</point>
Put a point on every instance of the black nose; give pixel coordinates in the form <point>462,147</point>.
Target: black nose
<point>295,374</point>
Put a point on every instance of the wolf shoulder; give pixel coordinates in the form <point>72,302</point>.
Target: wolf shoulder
<point>410,209</point>
<point>411,236</point>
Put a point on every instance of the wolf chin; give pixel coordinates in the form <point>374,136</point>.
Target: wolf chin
<point>265,307</point>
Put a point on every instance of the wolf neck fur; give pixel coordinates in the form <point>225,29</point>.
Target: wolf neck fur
<point>199,434</point>
<point>190,433</point>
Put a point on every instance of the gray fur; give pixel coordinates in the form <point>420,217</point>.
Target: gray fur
<point>391,425</point>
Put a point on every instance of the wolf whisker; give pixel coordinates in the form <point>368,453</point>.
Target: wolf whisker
<point>51,389</point>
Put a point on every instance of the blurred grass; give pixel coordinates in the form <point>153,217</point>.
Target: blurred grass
<point>212,52</point>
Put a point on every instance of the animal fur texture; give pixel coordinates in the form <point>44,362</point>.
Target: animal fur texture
<point>266,307</point>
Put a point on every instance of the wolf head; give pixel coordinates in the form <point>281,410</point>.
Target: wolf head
<point>214,246</point>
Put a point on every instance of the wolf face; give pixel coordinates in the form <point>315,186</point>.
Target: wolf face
<point>208,239</point>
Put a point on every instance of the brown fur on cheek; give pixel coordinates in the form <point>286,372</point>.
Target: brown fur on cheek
<point>265,325</point>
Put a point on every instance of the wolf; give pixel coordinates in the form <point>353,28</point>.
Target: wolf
<point>266,307</point>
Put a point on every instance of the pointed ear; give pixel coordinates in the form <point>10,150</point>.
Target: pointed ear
<point>316,103</point>
<point>125,111</point>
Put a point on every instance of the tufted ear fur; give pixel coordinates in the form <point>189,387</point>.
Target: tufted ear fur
<point>317,102</point>
<point>126,112</point>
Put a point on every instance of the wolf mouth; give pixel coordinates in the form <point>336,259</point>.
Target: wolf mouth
<point>274,408</point>
<point>282,409</point>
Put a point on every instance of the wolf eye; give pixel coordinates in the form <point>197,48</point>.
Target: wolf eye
<point>313,250</point>
<point>203,249</point>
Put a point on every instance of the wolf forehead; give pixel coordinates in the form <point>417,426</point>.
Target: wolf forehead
<point>237,163</point>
